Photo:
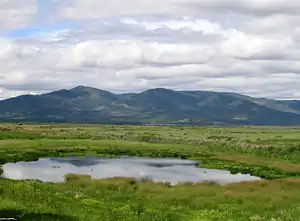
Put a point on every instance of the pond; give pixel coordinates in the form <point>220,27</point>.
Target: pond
<point>158,170</point>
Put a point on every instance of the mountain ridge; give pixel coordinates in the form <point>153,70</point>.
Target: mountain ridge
<point>83,104</point>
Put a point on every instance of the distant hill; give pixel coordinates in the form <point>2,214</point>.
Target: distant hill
<point>155,106</point>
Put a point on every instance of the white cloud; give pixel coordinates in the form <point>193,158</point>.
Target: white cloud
<point>256,47</point>
<point>4,93</point>
<point>126,46</point>
<point>199,25</point>
<point>255,7</point>
<point>16,13</point>
<point>89,9</point>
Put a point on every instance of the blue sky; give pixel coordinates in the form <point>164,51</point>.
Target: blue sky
<point>34,30</point>
<point>41,23</point>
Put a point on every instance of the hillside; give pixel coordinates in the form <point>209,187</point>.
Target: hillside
<point>91,105</point>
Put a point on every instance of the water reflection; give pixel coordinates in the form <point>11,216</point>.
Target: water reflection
<point>165,170</point>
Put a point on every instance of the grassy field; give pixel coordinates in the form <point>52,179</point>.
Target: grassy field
<point>272,153</point>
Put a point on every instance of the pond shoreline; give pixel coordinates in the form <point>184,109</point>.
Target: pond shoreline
<point>167,170</point>
<point>208,161</point>
<point>272,153</point>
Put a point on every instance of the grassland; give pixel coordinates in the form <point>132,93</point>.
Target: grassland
<point>272,153</point>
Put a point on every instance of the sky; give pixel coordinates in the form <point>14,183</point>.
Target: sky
<point>245,46</point>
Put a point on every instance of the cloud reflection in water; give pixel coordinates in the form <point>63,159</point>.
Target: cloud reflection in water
<point>166,170</point>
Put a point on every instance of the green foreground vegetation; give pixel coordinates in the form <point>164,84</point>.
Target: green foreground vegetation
<point>272,153</point>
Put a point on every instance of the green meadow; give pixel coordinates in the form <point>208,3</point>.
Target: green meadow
<point>272,153</point>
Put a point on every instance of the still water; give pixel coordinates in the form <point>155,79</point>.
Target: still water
<point>158,170</point>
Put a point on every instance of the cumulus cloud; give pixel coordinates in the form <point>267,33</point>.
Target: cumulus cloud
<point>136,45</point>
<point>17,13</point>
<point>89,9</point>
<point>252,7</point>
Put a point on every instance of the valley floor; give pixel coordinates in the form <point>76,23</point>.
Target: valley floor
<point>272,153</point>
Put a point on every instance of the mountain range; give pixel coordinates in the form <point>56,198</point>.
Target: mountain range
<point>155,106</point>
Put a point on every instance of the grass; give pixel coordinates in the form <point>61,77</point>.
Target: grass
<point>269,152</point>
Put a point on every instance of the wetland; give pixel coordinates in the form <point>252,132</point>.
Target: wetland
<point>80,172</point>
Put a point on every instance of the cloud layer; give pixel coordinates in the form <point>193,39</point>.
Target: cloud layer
<point>17,13</point>
<point>249,47</point>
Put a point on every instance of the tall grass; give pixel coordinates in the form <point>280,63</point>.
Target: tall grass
<point>122,199</point>
<point>268,152</point>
